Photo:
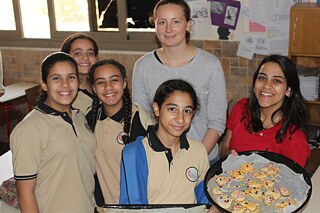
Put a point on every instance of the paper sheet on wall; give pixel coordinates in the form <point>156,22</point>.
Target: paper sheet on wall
<point>247,46</point>
<point>200,14</point>
<point>269,21</point>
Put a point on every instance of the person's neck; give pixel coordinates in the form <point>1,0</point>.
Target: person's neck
<point>175,57</point>
<point>84,83</point>
<point>170,142</point>
<point>61,108</point>
<point>111,110</point>
<point>266,118</point>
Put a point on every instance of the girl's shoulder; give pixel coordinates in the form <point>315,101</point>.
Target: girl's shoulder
<point>32,122</point>
<point>146,118</point>
<point>196,145</point>
<point>242,105</point>
<point>146,58</point>
<point>205,55</point>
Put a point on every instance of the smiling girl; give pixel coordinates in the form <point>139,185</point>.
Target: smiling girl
<point>274,117</point>
<point>178,59</point>
<point>166,167</point>
<point>84,49</point>
<point>53,148</point>
<point>115,122</point>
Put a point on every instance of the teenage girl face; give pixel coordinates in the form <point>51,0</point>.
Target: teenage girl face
<point>271,87</point>
<point>171,25</point>
<point>175,115</point>
<point>62,86</point>
<point>109,86</point>
<point>82,50</point>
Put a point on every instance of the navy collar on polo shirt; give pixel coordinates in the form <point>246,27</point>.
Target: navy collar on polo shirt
<point>86,92</point>
<point>158,146</point>
<point>42,107</point>
<point>118,117</point>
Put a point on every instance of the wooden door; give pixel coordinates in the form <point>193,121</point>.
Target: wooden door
<point>305,32</point>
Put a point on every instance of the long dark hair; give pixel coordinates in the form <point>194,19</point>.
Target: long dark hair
<point>185,7</point>
<point>293,110</point>
<point>127,102</point>
<point>66,44</point>
<point>168,87</point>
<point>48,63</point>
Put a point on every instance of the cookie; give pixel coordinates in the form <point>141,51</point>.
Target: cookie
<point>267,183</point>
<point>253,184</point>
<point>217,190</point>
<point>267,199</point>
<point>284,191</point>
<point>221,180</point>
<point>274,193</point>
<point>247,167</point>
<point>251,205</point>
<point>260,175</point>
<point>224,201</point>
<point>287,202</point>
<point>237,174</point>
<point>238,195</point>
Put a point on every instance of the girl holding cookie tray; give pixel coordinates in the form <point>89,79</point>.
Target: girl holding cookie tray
<point>274,117</point>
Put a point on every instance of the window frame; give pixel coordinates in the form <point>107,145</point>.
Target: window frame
<point>121,40</point>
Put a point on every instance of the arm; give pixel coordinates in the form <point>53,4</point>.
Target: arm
<point>216,106</point>
<point>210,139</point>
<point>225,149</point>
<point>26,196</point>
<point>139,93</point>
<point>134,174</point>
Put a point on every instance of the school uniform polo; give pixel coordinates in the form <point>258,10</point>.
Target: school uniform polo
<point>83,100</point>
<point>109,132</point>
<point>59,152</point>
<point>151,175</point>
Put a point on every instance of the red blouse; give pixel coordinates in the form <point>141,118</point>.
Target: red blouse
<point>295,147</point>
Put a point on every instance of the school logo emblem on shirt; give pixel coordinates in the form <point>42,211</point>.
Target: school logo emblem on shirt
<point>192,174</point>
<point>119,137</point>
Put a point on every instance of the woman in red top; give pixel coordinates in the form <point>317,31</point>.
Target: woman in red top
<point>274,117</point>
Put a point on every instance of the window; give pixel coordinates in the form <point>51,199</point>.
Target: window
<point>6,13</point>
<point>138,12</point>
<point>71,15</point>
<point>38,13</point>
<point>116,25</point>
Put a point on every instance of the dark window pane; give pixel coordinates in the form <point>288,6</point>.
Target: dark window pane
<point>108,17</point>
<point>140,11</point>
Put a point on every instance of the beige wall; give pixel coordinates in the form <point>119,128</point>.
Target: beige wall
<point>21,64</point>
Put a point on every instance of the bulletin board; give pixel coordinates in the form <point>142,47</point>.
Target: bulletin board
<point>261,26</point>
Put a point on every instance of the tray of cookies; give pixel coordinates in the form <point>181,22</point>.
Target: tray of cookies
<point>257,181</point>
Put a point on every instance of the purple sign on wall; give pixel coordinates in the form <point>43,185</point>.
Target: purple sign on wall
<point>225,13</point>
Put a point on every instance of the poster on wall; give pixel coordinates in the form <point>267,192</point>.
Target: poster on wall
<point>200,14</point>
<point>225,13</point>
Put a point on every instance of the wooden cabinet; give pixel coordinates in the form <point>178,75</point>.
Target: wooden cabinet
<point>305,29</point>
<point>304,44</point>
